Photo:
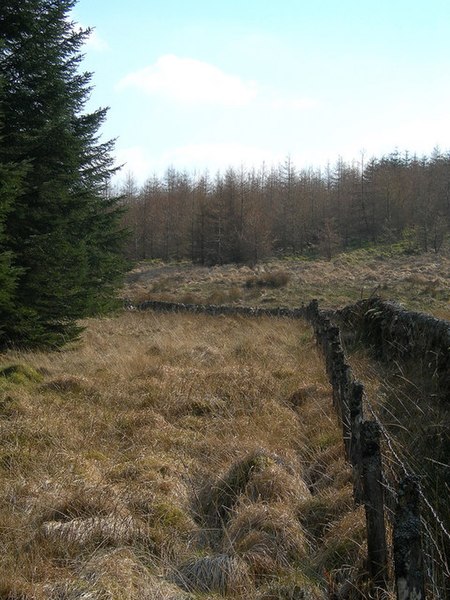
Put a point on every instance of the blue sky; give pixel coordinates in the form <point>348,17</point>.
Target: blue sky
<point>207,84</point>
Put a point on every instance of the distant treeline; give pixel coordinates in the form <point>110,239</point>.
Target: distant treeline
<point>243,216</point>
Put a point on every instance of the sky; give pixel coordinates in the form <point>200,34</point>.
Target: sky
<point>210,84</point>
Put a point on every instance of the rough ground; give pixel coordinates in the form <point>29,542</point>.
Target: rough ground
<point>181,457</point>
<point>174,457</point>
<point>421,282</point>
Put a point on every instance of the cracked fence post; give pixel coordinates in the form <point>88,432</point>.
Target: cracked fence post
<point>408,557</point>
<point>374,504</point>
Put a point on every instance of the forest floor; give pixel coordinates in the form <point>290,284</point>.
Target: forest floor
<point>188,457</point>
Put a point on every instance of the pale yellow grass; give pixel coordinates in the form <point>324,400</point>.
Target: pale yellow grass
<point>106,447</point>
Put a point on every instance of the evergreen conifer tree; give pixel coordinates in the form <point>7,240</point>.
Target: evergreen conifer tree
<point>62,233</point>
<point>10,178</point>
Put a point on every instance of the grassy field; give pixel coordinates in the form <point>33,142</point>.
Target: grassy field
<point>182,457</point>
<point>421,282</point>
<point>174,457</point>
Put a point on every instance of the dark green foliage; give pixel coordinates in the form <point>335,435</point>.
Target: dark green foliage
<point>11,177</point>
<point>61,231</point>
<point>9,188</point>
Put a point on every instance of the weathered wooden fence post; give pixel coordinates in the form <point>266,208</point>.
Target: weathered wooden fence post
<point>312,312</point>
<point>374,503</point>
<point>346,385</point>
<point>408,558</point>
<point>356,418</point>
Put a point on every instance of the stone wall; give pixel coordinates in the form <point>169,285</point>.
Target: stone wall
<point>416,340</point>
<point>215,310</point>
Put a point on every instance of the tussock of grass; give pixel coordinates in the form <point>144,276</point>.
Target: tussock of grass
<point>114,573</point>
<point>327,467</point>
<point>13,590</point>
<point>276,483</point>
<point>317,512</point>
<point>260,476</point>
<point>220,573</point>
<point>69,385</point>
<point>19,374</point>
<point>266,537</point>
<point>67,502</point>
<point>272,279</point>
<point>293,587</point>
<point>94,531</point>
<point>344,542</point>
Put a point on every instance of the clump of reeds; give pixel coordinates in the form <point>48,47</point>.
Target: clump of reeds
<point>271,279</point>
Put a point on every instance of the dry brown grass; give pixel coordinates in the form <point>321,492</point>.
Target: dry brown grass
<point>221,573</point>
<point>416,428</point>
<point>107,446</point>
<point>421,282</point>
<point>268,537</point>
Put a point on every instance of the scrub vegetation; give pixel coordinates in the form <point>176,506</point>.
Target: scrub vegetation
<point>175,456</point>
<point>419,282</point>
<point>188,456</point>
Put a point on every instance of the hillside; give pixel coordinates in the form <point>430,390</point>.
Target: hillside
<point>421,282</point>
<point>172,456</point>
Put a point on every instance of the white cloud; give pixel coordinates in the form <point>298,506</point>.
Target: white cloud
<point>191,81</point>
<point>96,42</point>
<point>420,135</point>
<point>295,103</point>
<point>194,82</point>
<point>193,157</point>
<point>218,156</point>
<point>136,161</point>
